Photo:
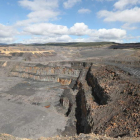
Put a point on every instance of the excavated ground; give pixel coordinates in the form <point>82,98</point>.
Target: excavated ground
<point>96,92</point>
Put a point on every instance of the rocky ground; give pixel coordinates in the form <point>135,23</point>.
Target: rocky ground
<point>80,137</point>
<point>48,91</point>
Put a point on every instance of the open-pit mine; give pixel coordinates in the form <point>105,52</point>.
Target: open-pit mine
<point>70,91</point>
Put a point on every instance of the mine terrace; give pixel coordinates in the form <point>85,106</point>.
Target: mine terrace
<point>70,91</point>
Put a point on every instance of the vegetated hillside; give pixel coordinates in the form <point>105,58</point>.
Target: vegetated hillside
<point>71,44</point>
<point>77,44</point>
<point>126,46</point>
<point>111,45</point>
<point>2,44</point>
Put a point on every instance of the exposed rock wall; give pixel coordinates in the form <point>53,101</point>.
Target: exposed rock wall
<point>107,103</point>
<point>63,75</point>
<point>48,70</point>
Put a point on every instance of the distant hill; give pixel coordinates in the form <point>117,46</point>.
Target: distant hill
<point>111,45</point>
<point>3,44</point>
<point>76,44</point>
<point>126,46</point>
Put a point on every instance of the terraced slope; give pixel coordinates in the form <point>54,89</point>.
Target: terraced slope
<point>93,92</point>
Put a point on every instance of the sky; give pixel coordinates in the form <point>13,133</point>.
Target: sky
<point>43,21</point>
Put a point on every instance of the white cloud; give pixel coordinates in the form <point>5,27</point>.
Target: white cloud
<point>6,31</point>
<point>70,3</point>
<point>111,33</point>
<point>41,10</point>
<point>121,4</point>
<point>43,15</point>
<point>37,17</point>
<point>104,0</point>
<point>7,40</point>
<point>46,39</point>
<point>54,33</point>
<point>37,5</point>
<point>46,29</point>
<point>124,13</point>
<point>127,16</point>
<point>128,26</point>
<point>80,29</point>
<point>84,11</point>
<point>7,34</point>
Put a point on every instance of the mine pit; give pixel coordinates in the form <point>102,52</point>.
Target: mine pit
<point>93,101</point>
<point>69,98</point>
<point>90,104</point>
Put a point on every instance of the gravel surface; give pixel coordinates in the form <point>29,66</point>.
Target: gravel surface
<point>29,121</point>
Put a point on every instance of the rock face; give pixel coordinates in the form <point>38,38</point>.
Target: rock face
<point>64,75</point>
<point>45,70</point>
<point>107,103</point>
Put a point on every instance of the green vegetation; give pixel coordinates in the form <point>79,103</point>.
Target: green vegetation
<point>77,44</point>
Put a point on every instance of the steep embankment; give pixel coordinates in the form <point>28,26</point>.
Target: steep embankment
<point>108,102</point>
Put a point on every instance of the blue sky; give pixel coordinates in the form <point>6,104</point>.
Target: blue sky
<point>42,21</point>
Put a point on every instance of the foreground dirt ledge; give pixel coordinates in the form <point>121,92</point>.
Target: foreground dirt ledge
<point>80,137</point>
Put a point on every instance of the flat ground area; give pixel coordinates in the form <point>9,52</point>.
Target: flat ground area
<point>29,121</point>
<point>27,108</point>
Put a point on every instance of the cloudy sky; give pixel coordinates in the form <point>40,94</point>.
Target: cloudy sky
<point>42,21</point>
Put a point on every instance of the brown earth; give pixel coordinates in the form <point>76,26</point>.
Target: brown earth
<point>80,137</point>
